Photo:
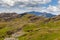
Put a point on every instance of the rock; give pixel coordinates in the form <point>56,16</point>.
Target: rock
<point>10,39</point>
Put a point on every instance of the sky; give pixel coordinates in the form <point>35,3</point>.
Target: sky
<point>21,6</point>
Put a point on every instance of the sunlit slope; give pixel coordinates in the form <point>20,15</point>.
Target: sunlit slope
<point>33,27</point>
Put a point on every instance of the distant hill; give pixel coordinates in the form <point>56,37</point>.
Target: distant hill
<point>49,15</point>
<point>10,16</point>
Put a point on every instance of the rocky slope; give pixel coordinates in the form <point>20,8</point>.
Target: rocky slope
<point>29,27</point>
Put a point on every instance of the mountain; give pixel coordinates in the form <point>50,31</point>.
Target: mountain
<point>28,26</point>
<point>49,15</point>
<point>10,16</point>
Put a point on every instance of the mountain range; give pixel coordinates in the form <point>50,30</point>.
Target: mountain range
<point>45,14</point>
<point>29,26</point>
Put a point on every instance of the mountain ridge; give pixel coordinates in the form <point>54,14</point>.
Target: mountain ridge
<point>45,14</point>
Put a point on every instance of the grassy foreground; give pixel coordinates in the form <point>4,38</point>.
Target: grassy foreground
<point>35,28</point>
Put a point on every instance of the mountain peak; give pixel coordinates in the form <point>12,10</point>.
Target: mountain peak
<point>44,14</point>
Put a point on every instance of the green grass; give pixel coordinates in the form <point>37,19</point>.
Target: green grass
<point>44,33</point>
<point>29,27</point>
<point>37,30</point>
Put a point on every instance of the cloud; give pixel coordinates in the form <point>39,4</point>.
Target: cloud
<point>22,5</point>
<point>29,5</point>
<point>42,1</point>
<point>58,1</point>
<point>52,9</point>
<point>13,2</point>
<point>14,10</point>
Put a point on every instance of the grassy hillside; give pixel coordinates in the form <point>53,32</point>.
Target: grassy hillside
<point>32,27</point>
